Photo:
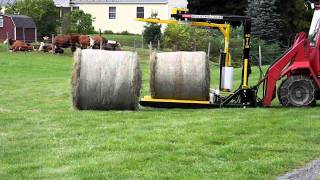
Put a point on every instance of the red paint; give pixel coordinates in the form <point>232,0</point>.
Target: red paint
<point>9,26</point>
<point>301,59</point>
<point>186,16</point>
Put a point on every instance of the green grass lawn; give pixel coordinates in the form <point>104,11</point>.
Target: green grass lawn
<point>126,40</point>
<point>41,136</point>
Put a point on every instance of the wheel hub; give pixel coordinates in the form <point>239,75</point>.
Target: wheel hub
<point>300,94</point>
<point>297,91</point>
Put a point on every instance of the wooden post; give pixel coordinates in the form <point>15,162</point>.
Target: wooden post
<point>260,56</point>
<point>209,51</point>
<point>36,35</point>
<point>53,44</point>
<point>8,44</point>
<point>158,45</point>
<point>150,49</point>
<point>60,14</point>
<point>101,43</point>
<point>23,35</point>
<point>142,44</point>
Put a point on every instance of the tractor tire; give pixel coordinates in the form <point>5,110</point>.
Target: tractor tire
<point>297,91</point>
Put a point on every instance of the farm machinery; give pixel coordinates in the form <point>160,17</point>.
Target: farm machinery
<point>297,70</point>
<point>112,80</point>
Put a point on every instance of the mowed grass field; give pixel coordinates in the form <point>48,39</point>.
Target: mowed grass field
<point>41,136</point>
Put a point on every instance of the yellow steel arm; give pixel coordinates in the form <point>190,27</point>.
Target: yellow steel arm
<point>224,28</point>
<point>159,21</point>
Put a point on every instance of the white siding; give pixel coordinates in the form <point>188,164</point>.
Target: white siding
<point>126,13</point>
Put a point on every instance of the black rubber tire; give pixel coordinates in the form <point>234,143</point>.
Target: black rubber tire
<point>297,91</point>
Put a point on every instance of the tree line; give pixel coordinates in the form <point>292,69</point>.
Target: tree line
<point>272,20</point>
<point>46,17</point>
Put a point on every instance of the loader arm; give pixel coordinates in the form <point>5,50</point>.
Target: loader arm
<point>299,50</point>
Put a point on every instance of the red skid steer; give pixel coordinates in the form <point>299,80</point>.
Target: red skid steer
<point>300,69</point>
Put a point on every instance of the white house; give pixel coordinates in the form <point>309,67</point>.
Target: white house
<point>119,15</point>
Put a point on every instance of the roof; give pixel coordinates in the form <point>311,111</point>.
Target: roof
<point>120,1</point>
<point>6,2</point>
<point>22,21</point>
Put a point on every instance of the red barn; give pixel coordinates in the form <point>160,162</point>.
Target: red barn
<point>18,27</point>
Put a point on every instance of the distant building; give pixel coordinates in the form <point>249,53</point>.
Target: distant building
<point>119,15</point>
<point>18,27</point>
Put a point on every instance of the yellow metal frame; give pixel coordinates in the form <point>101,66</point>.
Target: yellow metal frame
<point>245,80</point>
<point>150,99</point>
<point>179,10</point>
<point>224,28</point>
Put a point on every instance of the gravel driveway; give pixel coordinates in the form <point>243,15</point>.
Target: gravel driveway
<point>310,172</point>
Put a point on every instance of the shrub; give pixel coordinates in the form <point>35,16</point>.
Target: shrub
<point>179,37</point>
<point>108,32</point>
<point>125,33</point>
<point>152,31</point>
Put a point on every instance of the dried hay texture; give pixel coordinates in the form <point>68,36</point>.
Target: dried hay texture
<point>180,76</point>
<point>106,80</point>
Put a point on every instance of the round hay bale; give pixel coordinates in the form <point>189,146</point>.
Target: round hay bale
<point>106,80</point>
<point>180,76</point>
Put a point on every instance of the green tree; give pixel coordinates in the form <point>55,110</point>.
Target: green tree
<point>77,22</point>
<point>265,20</point>
<point>43,12</point>
<point>178,37</point>
<point>152,31</point>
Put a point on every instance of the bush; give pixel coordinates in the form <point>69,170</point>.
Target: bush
<point>177,37</point>
<point>108,32</point>
<point>152,31</point>
<point>125,33</point>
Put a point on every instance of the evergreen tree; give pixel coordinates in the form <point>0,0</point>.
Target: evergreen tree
<point>295,17</point>
<point>265,20</point>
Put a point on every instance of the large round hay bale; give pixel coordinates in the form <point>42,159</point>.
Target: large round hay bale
<point>106,80</point>
<point>180,76</point>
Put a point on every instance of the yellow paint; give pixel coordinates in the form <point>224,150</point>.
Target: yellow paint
<point>247,39</point>
<point>245,74</point>
<point>179,10</point>
<point>157,21</point>
<point>150,99</point>
<point>227,45</point>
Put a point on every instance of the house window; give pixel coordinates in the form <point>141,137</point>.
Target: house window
<point>112,12</point>
<point>140,12</point>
